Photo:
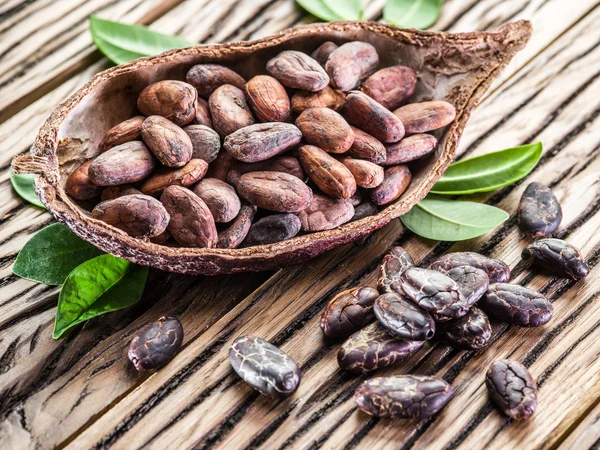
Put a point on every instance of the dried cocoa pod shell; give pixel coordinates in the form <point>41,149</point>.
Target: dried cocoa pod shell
<point>403,318</point>
<point>364,210</point>
<point>367,147</point>
<point>365,113</point>
<point>271,229</point>
<point>268,99</point>
<point>472,283</point>
<point>112,192</point>
<point>221,166</point>
<point>125,163</point>
<point>470,332</point>
<point>206,78</point>
<point>516,305</point>
<point>351,63</point>
<point>229,110</point>
<point>329,174</point>
<point>137,215</point>
<point>220,197</point>
<point>262,141</point>
<point>325,213</point>
<point>366,173</point>
<point>512,388</point>
<point>185,176</point>
<point>558,256</point>
<point>395,261</point>
<point>79,186</point>
<point>206,142</point>
<point>275,191</point>
<point>126,131</point>
<point>409,149</point>
<point>539,212</point>
<point>203,113</point>
<point>322,52</point>
<point>285,164</point>
<point>395,181</point>
<point>297,70</point>
<point>155,344</point>
<point>192,224</point>
<point>391,86</point>
<point>425,116</point>
<point>169,143</point>
<point>233,236</point>
<point>496,270</point>
<point>326,129</point>
<point>348,312</point>
<point>174,100</point>
<point>326,98</point>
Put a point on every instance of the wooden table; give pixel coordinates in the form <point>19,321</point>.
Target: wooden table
<point>81,392</point>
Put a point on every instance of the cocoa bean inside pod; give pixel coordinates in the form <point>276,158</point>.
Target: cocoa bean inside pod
<point>325,129</point>
<point>348,312</point>
<point>285,164</point>
<point>425,116</point>
<point>395,181</point>
<point>325,213</point>
<point>79,186</point>
<point>233,236</point>
<point>516,305</point>
<point>329,174</point>
<point>112,192</point>
<point>268,99</point>
<point>364,210</point>
<point>365,113</point>
<point>229,110</point>
<point>187,175</point>
<point>471,331</point>
<point>262,141</point>
<point>395,261</point>
<point>326,98</point>
<point>496,270</point>
<point>206,142</point>
<point>137,215</point>
<point>403,318</point>
<point>125,163</point>
<point>322,52</point>
<point>220,197</point>
<point>206,78</point>
<point>350,63</point>
<point>367,147</point>
<point>366,173</point>
<point>275,191</point>
<point>271,229</point>
<point>221,166</point>
<point>558,256</point>
<point>409,149</point>
<point>391,86</point>
<point>512,388</point>
<point>174,100</point>
<point>297,70</point>
<point>203,113</point>
<point>169,143</point>
<point>156,344</point>
<point>126,131</point>
<point>539,212</point>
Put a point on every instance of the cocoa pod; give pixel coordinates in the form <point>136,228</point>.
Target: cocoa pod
<point>221,166</point>
<point>395,181</point>
<point>169,143</point>
<point>233,236</point>
<point>409,149</point>
<point>187,175</point>
<point>206,78</point>
<point>125,163</point>
<point>321,54</point>
<point>297,70</point>
<point>367,147</point>
<point>272,229</point>
<point>112,192</point>
<point>137,215</point>
<point>275,191</point>
<point>203,113</point>
<point>79,186</point>
<point>285,164</point>
<point>425,116</point>
<point>174,100</point>
<point>539,212</point>
<point>348,312</point>
<point>326,129</point>
<point>229,110</point>
<point>206,142</point>
<point>367,174</point>
<point>329,174</point>
<point>126,131</point>
<point>391,86</point>
<point>325,213</point>
<point>192,224</point>
<point>221,199</point>
<point>365,113</point>
<point>326,98</point>
<point>350,63</point>
<point>364,210</point>
<point>262,141</point>
<point>268,99</point>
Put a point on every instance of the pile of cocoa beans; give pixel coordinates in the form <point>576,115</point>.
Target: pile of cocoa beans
<point>218,161</point>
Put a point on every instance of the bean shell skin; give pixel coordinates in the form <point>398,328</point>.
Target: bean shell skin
<point>156,344</point>
<point>472,282</point>
<point>516,305</point>
<point>396,261</point>
<point>409,149</point>
<point>496,270</point>
<point>275,191</point>
<point>350,63</point>
<point>233,236</point>
<point>262,141</point>
<point>512,388</point>
<point>297,70</point>
<point>264,367</point>
<point>365,113</point>
<point>404,396</point>
<point>325,213</point>
<point>326,129</point>
<point>220,197</point>
<point>268,99</point>
<point>367,147</point>
<point>348,312</point>
<point>395,181</point>
<point>169,143</point>
<point>123,164</point>
<point>271,229</point>
<point>539,212</point>
<point>374,347</point>
<point>471,331</point>
<point>403,318</point>
<point>206,78</point>
<point>391,86</point>
<point>558,256</point>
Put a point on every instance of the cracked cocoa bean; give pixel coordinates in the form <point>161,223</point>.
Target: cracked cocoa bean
<point>396,261</point>
<point>169,143</point>
<point>268,99</point>
<point>262,141</point>
<point>285,164</point>
<point>126,131</point>
<point>174,100</point>
<point>123,164</point>
<point>206,142</point>
<point>206,78</point>
<point>403,318</point>
<point>350,63</point>
<point>512,388</point>
<point>539,212</point>
<point>229,110</point>
<point>155,344</point>
<point>391,86</point>
<point>272,229</point>
<point>325,213</point>
<point>330,175</point>
<point>472,282</point>
<point>496,270</point>
<point>297,70</point>
<point>395,181</point>
<point>187,175</point>
<point>203,113</point>
<point>516,305</point>
<point>233,236</point>
<point>79,186</point>
<point>112,192</point>
<point>326,129</point>
<point>471,331</point>
<point>409,149</point>
<point>365,113</point>
<point>348,312</point>
<point>326,98</point>
<point>367,147</point>
<point>275,191</point>
<point>321,54</point>
<point>425,116</point>
<point>558,256</point>
<point>220,197</point>
<point>367,174</point>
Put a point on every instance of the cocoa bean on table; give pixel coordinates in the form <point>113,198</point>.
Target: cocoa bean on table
<point>403,318</point>
<point>396,261</point>
<point>155,344</point>
<point>512,388</point>
<point>174,100</point>
<point>539,212</point>
<point>348,312</point>
<point>516,305</point>
<point>471,331</point>
<point>558,256</point>
<point>496,270</point>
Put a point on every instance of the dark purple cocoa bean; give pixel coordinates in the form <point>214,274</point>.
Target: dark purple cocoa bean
<point>325,129</point>
<point>512,388</point>
<point>471,331</point>
<point>425,116</point>
<point>125,163</point>
<point>169,143</point>
<point>220,197</point>
<point>367,174</point>
<point>472,282</point>
<point>271,229</point>
<point>409,149</point>
<point>348,312</point>
<point>275,191</point>
<point>496,270</point>
<point>326,98</point>
<point>187,175</point>
<point>233,236</point>
<point>367,147</point>
<point>206,142</point>
<point>539,212</point>
<point>262,141</point>
<point>321,54</point>
<point>229,110</point>
<point>365,113</point>
<point>126,131</point>
<point>325,213</point>
<point>203,113</point>
<point>403,318</point>
<point>391,86</point>
<point>395,181</point>
<point>297,70</point>
<point>206,78</point>
<point>330,175</point>
<point>559,256</point>
<point>174,100</point>
<point>364,210</point>
<point>285,164</point>
<point>396,261</point>
<point>155,344</point>
<point>350,63</point>
<point>516,305</point>
<point>268,99</point>
<point>79,186</point>
<point>112,192</point>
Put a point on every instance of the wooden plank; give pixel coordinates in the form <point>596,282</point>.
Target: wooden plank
<point>587,433</point>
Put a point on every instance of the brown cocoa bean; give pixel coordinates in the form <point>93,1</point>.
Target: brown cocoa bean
<point>297,70</point>
<point>137,215</point>
<point>271,229</point>
<point>326,98</point>
<point>221,166</point>
<point>112,192</point>
<point>192,224</point>
<point>229,110</point>
<point>350,63</point>
<point>391,86</point>
<point>268,99</point>
<point>325,129</point>
<point>285,164</point>
<point>220,197</point>
<point>169,143</point>
<point>206,78</point>
<point>126,131</point>
<point>321,54</point>
<point>162,238</point>
<point>275,191</point>
<point>325,213</point>
<point>125,163</point>
<point>328,173</point>
<point>364,210</point>
<point>206,142</point>
<point>367,147</point>
<point>356,199</point>
<point>409,149</point>
<point>187,175</point>
<point>174,100</point>
<point>79,186</point>
<point>233,236</point>
<point>366,174</point>
<point>203,113</point>
<point>262,141</point>
<point>425,116</point>
<point>365,113</point>
<point>395,182</point>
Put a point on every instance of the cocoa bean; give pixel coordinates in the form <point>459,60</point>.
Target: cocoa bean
<point>298,71</point>
<point>221,199</point>
<point>321,54</point>
<point>126,131</point>
<point>156,344</point>
<point>112,192</point>
<point>326,98</point>
<point>425,116</point>
<point>203,113</point>
<point>329,174</point>
<point>325,129</point>
<point>403,318</point>
<point>233,236</point>
<point>366,174</point>
<point>496,270</point>
<point>169,143</point>
<point>268,99</point>
<point>409,149</point>
<point>325,213</point>
<point>367,147</point>
<point>364,210</point>
<point>350,63</point>
<point>125,163</point>
<point>187,175</point>
<point>206,78</point>
<point>275,191</point>
<point>162,238</point>
<point>348,312</point>
<point>391,86</point>
<point>356,199</point>
<point>539,213</point>
<point>221,166</point>
<point>559,257</point>
<point>229,110</point>
<point>512,388</point>
<point>206,142</point>
<point>285,164</point>
<point>365,113</point>
<point>79,186</point>
<point>174,100</point>
<point>395,181</point>
<point>272,229</point>
<point>262,141</point>
<point>394,263</point>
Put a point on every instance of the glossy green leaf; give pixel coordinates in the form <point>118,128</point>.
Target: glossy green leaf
<point>51,254</point>
<point>452,220</point>
<point>23,186</point>
<point>419,14</point>
<point>98,286</point>
<point>319,9</point>
<point>489,172</point>
<point>121,42</point>
<point>346,9</point>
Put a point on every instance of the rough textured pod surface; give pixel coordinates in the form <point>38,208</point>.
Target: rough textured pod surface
<point>273,228</point>
<point>403,318</point>
<point>350,63</point>
<point>539,212</point>
<point>558,256</point>
<point>348,312</point>
<point>325,213</point>
<point>206,78</point>
<point>328,173</point>
<point>206,142</point>
<point>395,181</point>
<point>326,129</point>
<point>365,113</point>
<point>169,143</point>
<point>391,86</point>
<point>516,305</point>
<point>79,186</point>
<point>268,99</point>
<point>229,110</point>
<point>496,270</point>
<point>126,131</point>
<point>471,331</point>
<point>512,388</point>
<point>275,191</point>
<point>125,163</point>
<point>297,70</point>
<point>395,261</point>
<point>409,149</point>
<point>174,100</point>
<point>262,141</point>
<point>155,344</point>
<point>426,116</point>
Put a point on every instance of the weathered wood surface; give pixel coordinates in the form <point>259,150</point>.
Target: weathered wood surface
<point>82,393</point>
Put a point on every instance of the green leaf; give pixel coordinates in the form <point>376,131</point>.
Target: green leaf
<point>98,286</point>
<point>23,185</point>
<point>489,172</point>
<point>50,255</point>
<point>412,13</point>
<point>122,42</point>
<point>452,220</point>
<point>346,9</point>
<point>319,9</point>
